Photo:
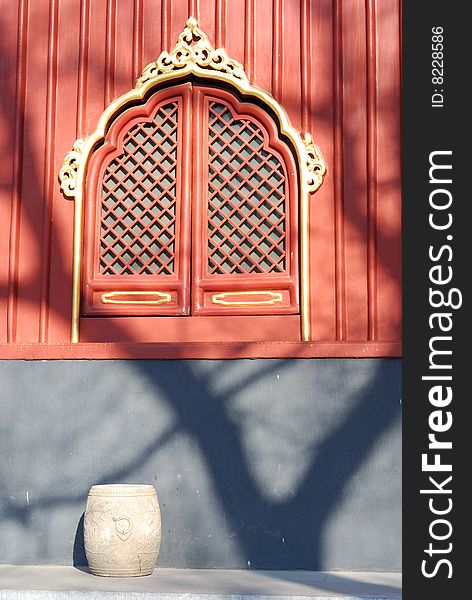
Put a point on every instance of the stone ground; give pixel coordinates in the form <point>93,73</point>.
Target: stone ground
<point>61,583</point>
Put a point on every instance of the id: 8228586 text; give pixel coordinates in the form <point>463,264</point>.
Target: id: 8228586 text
<point>437,67</point>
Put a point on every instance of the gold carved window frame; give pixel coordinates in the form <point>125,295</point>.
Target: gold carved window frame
<point>193,55</point>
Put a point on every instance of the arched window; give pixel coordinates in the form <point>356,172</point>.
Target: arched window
<point>191,198</point>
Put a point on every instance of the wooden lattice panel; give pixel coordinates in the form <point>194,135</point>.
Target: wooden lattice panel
<point>138,206</point>
<point>193,211</point>
<point>246,198</point>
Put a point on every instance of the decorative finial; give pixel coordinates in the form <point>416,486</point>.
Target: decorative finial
<point>193,49</point>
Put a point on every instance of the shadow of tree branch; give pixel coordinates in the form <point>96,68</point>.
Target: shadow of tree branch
<point>287,534</point>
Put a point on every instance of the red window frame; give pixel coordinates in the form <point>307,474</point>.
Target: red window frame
<point>204,285</point>
<point>192,287</point>
<point>177,285</point>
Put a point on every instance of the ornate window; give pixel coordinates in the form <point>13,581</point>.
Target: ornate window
<point>191,198</point>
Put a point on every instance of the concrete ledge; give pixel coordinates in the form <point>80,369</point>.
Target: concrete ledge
<point>61,583</point>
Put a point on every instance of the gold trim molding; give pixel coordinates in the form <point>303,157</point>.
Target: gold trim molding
<point>275,297</point>
<point>111,298</point>
<point>192,55</point>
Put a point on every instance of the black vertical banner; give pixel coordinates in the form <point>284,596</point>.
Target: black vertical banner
<point>437,113</point>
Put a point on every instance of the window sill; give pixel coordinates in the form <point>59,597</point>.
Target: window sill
<point>199,350</point>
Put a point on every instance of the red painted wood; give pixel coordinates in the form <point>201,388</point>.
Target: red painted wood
<point>323,204</point>
<point>178,13</point>
<point>208,275</point>
<point>263,56</point>
<point>30,269</point>
<point>49,174</point>
<point>249,38</point>
<point>354,126</point>
<point>234,33</point>
<point>122,216</point>
<point>290,81</point>
<point>113,259</point>
<point>69,122</point>
<point>372,168</point>
<point>125,43</point>
<point>138,38</point>
<point>95,66</point>
<point>152,31</point>
<point>110,52</point>
<point>220,23</point>
<point>239,329</point>
<point>206,19</point>
<point>212,350</point>
<point>389,260</point>
<point>18,97</point>
<point>334,65</point>
<point>338,172</point>
<point>10,122</point>
<point>83,47</point>
<point>277,48</point>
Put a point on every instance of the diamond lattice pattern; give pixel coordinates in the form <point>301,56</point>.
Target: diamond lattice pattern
<point>246,207</point>
<point>138,207</point>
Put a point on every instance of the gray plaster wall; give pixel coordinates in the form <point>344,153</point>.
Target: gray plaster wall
<point>276,464</point>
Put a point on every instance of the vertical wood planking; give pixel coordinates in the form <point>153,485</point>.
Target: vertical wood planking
<point>179,13</point>
<point>291,75</point>
<point>207,14</point>
<point>71,95</point>
<point>328,198</point>
<point>338,167</point>
<point>235,30</point>
<point>124,48</point>
<point>354,166</point>
<point>152,24</point>
<point>305,105</point>
<point>388,172</point>
<point>49,175</point>
<point>263,54</point>
<point>110,52</point>
<point>194,9</point>
<point>165,25</point>
<point>277,48</point>
<point>220,23</point>
<point>30,239</point>
<point>82,67</point>
<point>17,142</point>
<point>305,65</point>
<point>249,41</point>
<point>95,96</point>
<point>9,31</point>
<point>138,39</point>
<point>371,148</point>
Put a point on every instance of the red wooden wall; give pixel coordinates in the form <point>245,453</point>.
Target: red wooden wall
<point>334,65</point>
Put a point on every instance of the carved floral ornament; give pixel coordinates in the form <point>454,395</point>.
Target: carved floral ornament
<point>194,47</point>
<point>70,166</point>
<point>193,53</point>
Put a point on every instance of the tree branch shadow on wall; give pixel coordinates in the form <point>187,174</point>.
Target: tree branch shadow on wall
<point>271,531</point>
<point>202,413</point>
<point>272,534</point>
